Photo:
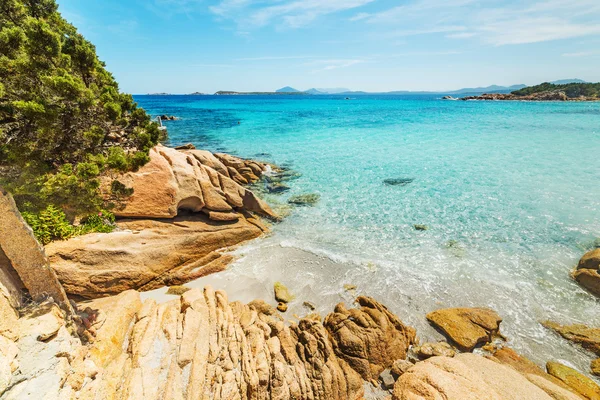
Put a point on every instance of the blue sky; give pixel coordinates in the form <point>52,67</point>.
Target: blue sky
<point>183,46</point>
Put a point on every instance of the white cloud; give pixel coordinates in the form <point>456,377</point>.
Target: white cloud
<point>581,54</point>
<point>289,14</point>
<point>497,22</point>
<point>328,65</point>
<point>271,58</point>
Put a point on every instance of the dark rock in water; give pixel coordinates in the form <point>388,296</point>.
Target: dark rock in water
<point>266,155</point>
<point>168,117</point>
<point>421,227</point>
<point>398,181</point>
<point>277,187</point>
<point>283,176</point>
<point>305,199</point>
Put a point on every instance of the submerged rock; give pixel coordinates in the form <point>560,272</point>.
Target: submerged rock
<point>467,327</point>
<point>277,188</point>
<point>282,293</point>
<point>421,227</point>
<point>398,181</point>
<point>575,379</point>
<point>305,199</point>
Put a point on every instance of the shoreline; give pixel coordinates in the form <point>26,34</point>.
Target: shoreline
<point>319,279</point>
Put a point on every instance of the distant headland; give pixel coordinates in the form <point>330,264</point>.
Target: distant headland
<point>547,92</point>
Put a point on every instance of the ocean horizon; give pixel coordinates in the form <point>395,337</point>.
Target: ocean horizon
<point>502,189</point>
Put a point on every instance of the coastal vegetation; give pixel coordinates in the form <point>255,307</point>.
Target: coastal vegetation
<point>63,120</point>
<point>572,90</point>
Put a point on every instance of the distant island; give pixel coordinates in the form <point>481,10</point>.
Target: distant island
<point>232,93</point>
<point>548,92</point>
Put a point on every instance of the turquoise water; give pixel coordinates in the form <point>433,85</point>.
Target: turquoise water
<point>508,190</point>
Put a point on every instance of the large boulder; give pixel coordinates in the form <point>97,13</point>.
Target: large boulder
<point>24,266</point>
<point>369,338</point>
<point>193,180</point>
<point>587,273</point>
<point>147,254</point>
<point>472,377</point>
<point>466,327</point>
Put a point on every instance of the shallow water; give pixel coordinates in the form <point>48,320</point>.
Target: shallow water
<point>507,190</point>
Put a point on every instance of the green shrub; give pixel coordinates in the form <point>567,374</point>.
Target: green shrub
<point>58,105</point>
<point>51,224</point>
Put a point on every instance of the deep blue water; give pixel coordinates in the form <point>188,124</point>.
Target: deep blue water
<point>509,190</point>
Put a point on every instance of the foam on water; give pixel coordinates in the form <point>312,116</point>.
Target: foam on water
<point>508,191</point>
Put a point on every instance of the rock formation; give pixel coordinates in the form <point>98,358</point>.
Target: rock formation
<point>200,346</point>
<point>467,327</point>
<point>185,207</point>
<point>369,338</point>
<point>193,180</point>
<point>587,273</point>
<point>24,268</point>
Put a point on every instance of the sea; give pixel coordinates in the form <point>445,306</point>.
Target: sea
<point>507,192</point>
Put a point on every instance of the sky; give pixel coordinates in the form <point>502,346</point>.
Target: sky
<point>185,46</point>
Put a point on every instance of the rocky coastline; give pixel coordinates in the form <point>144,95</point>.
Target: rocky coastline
<point>73,324</point>
<point>556,95</point>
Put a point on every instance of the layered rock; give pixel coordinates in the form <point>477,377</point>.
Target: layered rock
<point>148,254</point>
<point>185,207</point>
<point>467,327</point>
<point>199,346</point>
<point>587,273</point>
<point>193,180</point>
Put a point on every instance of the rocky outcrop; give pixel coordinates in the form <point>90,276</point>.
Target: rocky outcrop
<point>24,267</point>
<point>193,180</point>
<point>369,338</point>
<point>148,254</point>
<point>467,327</point>
<point>196,346</point>
<point>186,206</point>
<point>555,95</point>
<point>472,377</point>
<point>587,273</point>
